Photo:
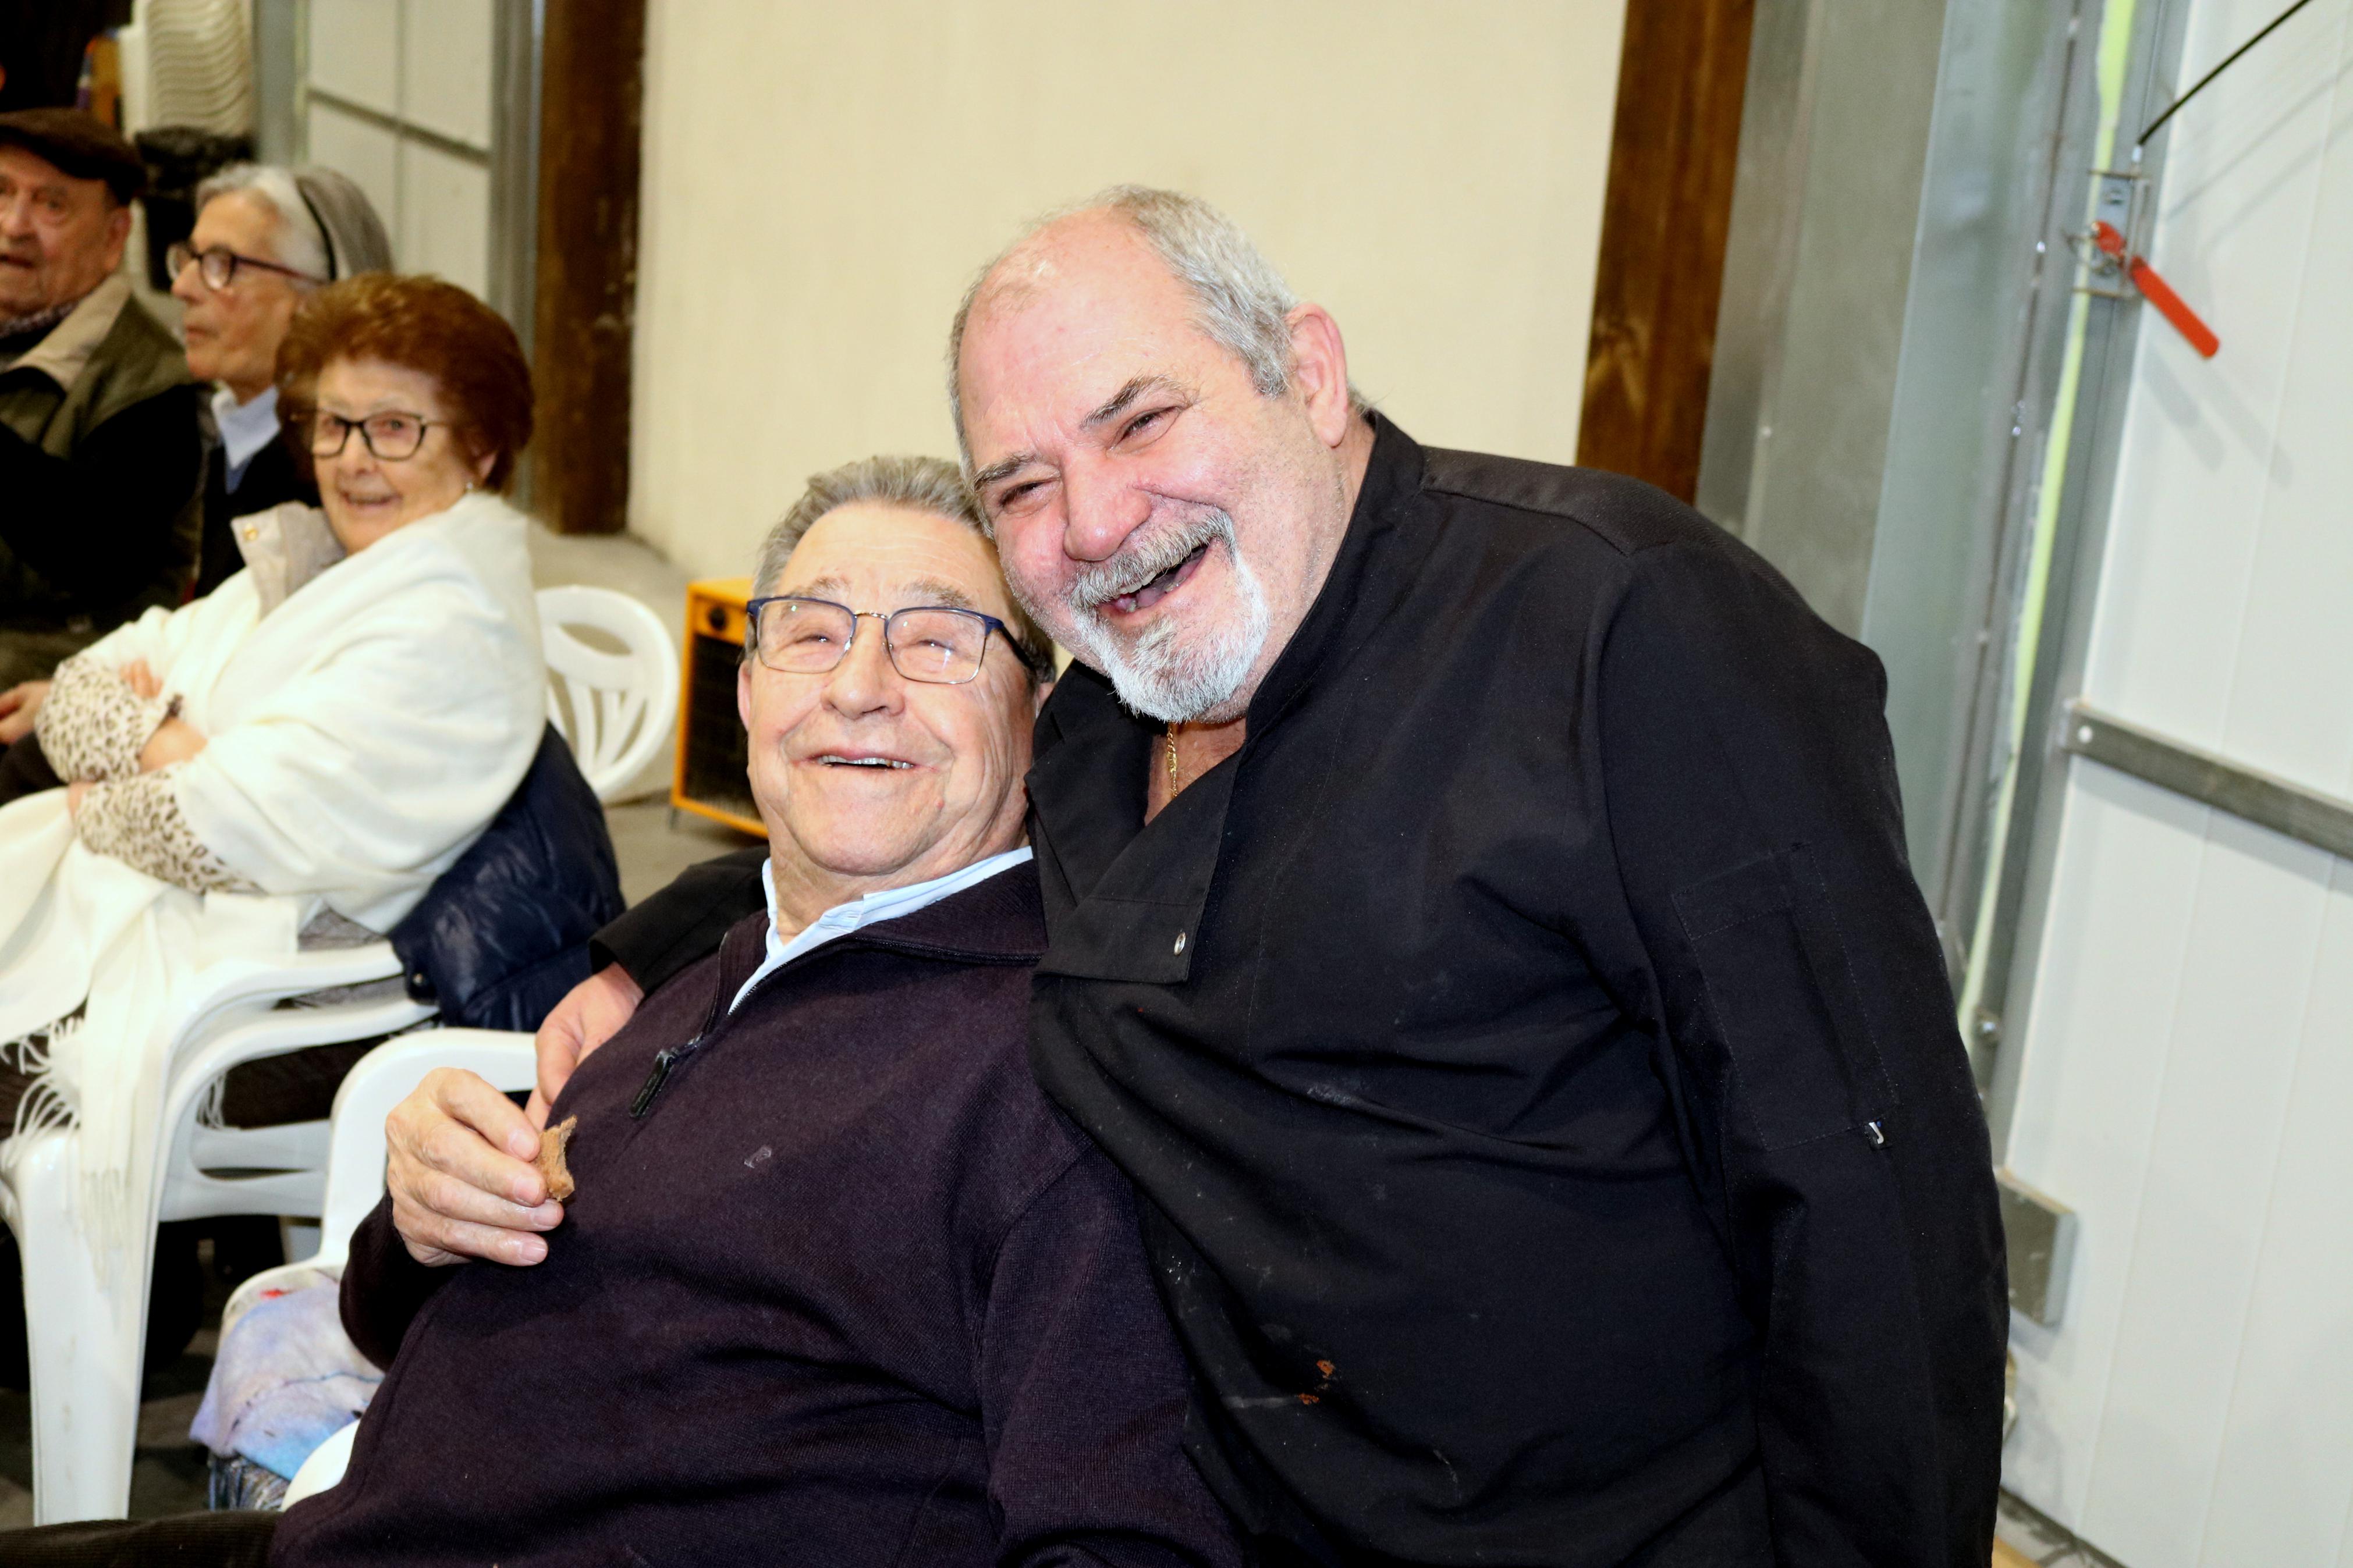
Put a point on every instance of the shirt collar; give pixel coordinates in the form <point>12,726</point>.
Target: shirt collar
<point>843,920</point>
<point>244,427</point>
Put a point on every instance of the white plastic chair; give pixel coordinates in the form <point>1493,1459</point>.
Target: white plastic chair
<point>616,709</point>
<point>355,1168</point>
<point>86,1337</point>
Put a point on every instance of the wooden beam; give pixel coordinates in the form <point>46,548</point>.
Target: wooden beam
<point>592,64</point>
<point>1673,153</point>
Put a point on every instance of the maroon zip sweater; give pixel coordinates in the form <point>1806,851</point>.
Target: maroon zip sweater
<point>847,1291</point>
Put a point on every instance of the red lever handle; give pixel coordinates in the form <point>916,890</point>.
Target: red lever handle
<point>2159,292</point>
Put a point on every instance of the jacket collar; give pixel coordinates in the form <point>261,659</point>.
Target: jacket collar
<point>66,353</point>
<point>1358,593</point>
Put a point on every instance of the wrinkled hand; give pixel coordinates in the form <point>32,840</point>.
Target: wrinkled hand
<point>461,1168</point>
<point>141,679</point>
<point>590,1013</point>
<point>19,705</point>
<point>174,741</point>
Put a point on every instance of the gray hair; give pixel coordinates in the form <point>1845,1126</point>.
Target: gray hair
<point>327,228</point>
<point>1239,300</point>
<point>931,485</point>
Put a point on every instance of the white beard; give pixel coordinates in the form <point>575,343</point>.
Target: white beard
<point>1165,674</point>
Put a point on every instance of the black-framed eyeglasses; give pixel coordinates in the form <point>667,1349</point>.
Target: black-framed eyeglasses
<point>391,436</point>
<point>217,266</point>
<point>929,643</point>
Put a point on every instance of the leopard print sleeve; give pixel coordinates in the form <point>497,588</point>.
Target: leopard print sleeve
<point>92,724</point>
<point>138,822</point>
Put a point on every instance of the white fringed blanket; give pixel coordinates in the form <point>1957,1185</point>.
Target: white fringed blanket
<point>359,736</point>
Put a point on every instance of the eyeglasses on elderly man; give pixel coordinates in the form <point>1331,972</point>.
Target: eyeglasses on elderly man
<point>939,643</point>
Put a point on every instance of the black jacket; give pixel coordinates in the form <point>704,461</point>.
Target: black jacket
<point>1537,1056</point>
<point>848,1292</point>
<point>93,540</point>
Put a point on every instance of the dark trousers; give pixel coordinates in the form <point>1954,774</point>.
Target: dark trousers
<point>227,1539</point>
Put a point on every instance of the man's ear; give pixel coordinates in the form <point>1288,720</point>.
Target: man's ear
<point>118,235</point>
<point>743,692</point>
<point>1319,371</point>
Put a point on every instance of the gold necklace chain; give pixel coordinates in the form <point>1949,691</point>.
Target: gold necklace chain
<point>1175,782</point>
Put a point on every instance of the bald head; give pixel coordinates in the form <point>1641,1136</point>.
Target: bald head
<point>1238,300</point>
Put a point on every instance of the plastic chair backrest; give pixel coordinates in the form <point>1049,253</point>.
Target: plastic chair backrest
<point>615,708</point>
<point>382,1080</point>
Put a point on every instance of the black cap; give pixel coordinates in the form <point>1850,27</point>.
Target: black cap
<point>79,144</point>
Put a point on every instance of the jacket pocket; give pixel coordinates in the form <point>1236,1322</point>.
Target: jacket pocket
<point>1778,980</point>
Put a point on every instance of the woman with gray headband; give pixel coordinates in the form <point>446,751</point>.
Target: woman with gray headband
<point>265,236</point>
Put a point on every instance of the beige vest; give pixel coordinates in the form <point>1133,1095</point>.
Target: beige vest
<point>107,354</point>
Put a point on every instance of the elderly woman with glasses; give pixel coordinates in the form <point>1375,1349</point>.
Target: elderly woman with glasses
<point>322,736</point>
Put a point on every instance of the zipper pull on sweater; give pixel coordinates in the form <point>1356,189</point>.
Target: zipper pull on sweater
<point>654,1080</point>
<point>665,1059</point>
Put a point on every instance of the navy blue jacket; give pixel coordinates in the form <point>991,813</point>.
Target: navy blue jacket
<point>504,933</point>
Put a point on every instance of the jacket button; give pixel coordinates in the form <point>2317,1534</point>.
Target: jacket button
<point>1180,942</point>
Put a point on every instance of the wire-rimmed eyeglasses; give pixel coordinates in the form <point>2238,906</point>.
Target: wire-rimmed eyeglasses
<point>217,266</point>
<point>391,436</point>
<point>929,643</point>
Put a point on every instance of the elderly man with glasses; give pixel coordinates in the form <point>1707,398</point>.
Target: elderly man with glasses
<point>101,452</point>
<point>828,1281</point>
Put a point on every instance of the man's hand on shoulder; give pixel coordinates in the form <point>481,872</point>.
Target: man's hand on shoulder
<point>461,1167</point>
<point>590,1013</point>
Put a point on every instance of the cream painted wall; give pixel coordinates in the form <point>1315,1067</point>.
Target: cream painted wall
<point>822,179</point>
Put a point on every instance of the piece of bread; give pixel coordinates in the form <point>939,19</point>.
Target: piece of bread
<point>560,1186</point>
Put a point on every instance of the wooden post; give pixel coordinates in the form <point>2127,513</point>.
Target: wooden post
<point>1682,73</point>
<point>592,65</point>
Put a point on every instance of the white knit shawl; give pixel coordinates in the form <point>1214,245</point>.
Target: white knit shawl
<point>358,737</point>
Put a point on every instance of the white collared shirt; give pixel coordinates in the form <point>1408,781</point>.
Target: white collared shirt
<point>244,427</point>
<point>843,919</point>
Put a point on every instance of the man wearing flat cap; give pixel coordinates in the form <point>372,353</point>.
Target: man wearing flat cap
<point>102,455</point>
